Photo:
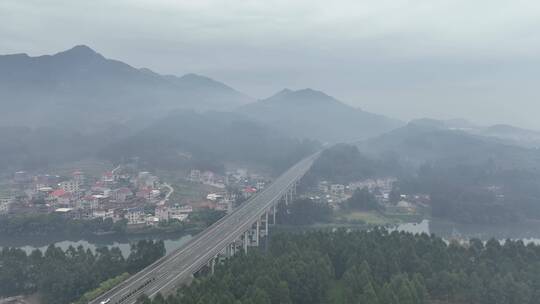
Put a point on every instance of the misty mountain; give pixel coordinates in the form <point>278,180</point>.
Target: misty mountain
<point>187,139</point>
<point>420,143</point>
<point>502,133</point>
<point>80,86</point>
<point>451,124</point>
<point>513,135</point>
<point>313,114</point>
<point>25,148</point>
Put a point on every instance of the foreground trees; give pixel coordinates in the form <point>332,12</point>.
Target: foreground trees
<point>62,276</point>
<point>375,267</point>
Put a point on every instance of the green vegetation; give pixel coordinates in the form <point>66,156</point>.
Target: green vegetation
<point>364,200</point>
<point>371,267</point>
<point>103,287</point>
<point>54,224</point>
<point>469,179</point>
<point>304,212</point>
<point>44,224</point>
<point>207,217</point>
<point>64,276</point>
<point>344,163</point>
<point>485,193</point>
<point>364,217</point>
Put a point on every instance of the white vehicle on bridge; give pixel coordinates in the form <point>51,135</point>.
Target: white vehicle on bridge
<point>105,301</point>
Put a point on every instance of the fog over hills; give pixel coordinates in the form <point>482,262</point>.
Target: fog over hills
<point>207,140</point>
<point>418,143</point>
<point>314,114</point>
<point>82,86</point>
<point>503,133</point>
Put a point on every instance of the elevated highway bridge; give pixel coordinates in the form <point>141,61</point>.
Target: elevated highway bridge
<point>234,232</point>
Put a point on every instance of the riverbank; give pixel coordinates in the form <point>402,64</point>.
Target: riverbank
<point>172,241</point>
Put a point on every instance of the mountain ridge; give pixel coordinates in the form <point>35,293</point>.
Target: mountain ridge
<point>79,80</point>
<point>309,113</point>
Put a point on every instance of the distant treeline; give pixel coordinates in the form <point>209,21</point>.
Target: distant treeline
<point>344,163</point>
<point>483,193</point>
<point>375,267</point>
<point>62,276</point>
<point>47,224</point>
<point>304,212</point>
<point>33,225</point>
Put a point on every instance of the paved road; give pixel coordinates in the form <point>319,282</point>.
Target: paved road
<point>166,198</point>
<point>167,273</point>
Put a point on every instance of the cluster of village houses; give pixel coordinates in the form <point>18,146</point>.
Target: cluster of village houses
<point>335,194</point>
<point>115,194</point>
<point>138,197</point>
<point>142,199</point>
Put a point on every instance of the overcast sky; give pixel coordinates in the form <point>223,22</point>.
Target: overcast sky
<point>474,59</point>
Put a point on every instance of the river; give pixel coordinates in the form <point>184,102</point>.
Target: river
<point>528,232</point>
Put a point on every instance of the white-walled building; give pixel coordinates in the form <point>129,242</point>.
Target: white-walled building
<point>179,212</point>
<point>72,186</point>
<point>135,216</point>
<point>5,204</point>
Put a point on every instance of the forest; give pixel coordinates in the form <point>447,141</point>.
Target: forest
<point>344,163</point>
<point>484,191</point>
<point>63,276</point>
<point>371,267</point>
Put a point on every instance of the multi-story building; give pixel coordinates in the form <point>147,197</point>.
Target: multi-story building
<point>120,195</point>
<point>135,216</point>
<point>337,189</point>
<point>195,175</point>
<point>178,212</point>
<point>71,185</point>
<point>5,204</point>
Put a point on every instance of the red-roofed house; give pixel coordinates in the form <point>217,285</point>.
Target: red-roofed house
<point>58,192</point>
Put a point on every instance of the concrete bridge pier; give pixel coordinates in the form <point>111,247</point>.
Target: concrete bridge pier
<point>274,214</point>
<point>212,265</point>
<point>266,223</point>
<point>246,236</point>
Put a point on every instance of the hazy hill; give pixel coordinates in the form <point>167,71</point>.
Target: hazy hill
<point>81,86</point>
<point>208,140</point>
<point>419,143</point>
<point>313,114</point>
<point>502,133</point>
<point>514,135</point>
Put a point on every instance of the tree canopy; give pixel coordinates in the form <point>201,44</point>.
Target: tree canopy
<point>371,267</point>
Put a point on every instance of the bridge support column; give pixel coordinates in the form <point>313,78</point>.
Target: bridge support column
<point>257,231</point>
<point>233,248</point>
<point>213,265</point>
<point>245,241</point>
<point>274,214</point>
<point>266,223</point>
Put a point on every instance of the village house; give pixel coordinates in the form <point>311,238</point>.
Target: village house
<point>121,195</point>
<point>135,216</point>
<point>337,189</point>
<point>178,212</point>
